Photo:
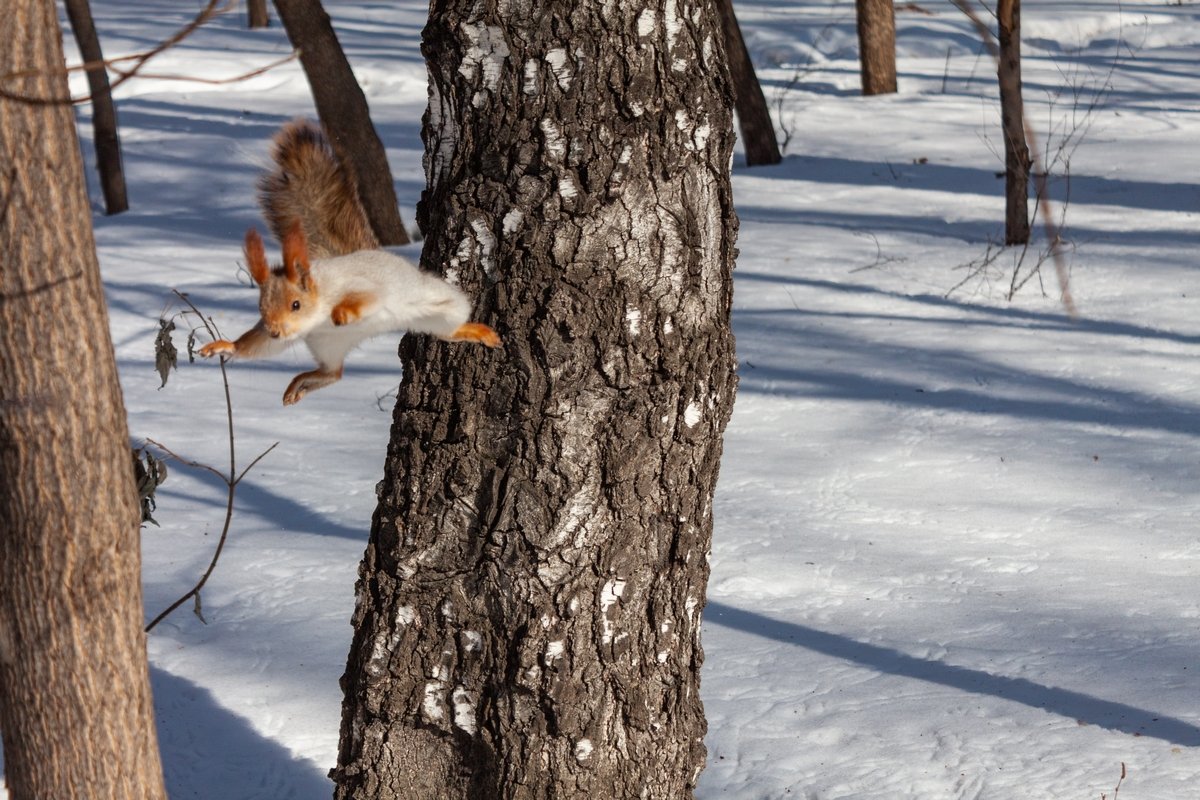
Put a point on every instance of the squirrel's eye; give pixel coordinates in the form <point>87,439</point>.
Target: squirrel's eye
<point>295,305</point>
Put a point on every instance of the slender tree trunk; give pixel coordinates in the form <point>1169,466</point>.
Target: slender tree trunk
<point>343,110</point>
<point>256,14</point>
<point>75,705</point>
<point>1012,119</point>
<point>758,132</point>
<point>104,112</point>
<point>877,46</point>
<point>528,615</point>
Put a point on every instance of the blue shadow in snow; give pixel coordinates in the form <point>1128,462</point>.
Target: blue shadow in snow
<point>1064,702</point>
<point>209,753</point>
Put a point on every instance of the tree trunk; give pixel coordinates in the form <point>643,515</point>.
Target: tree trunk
<point>104,113</point>
<point>758,132</point>
<point>343,110</point>
<point>528,610</point>
<point>256,14</point>
<point>877,46</point>
<point>1012,119</point>
<point>75,705</point>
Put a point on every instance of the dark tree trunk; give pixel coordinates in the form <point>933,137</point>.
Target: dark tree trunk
<point>528,610</point>
<point>104,113</point>
<point>256,14</point>
<point>1012,119</point>
<point>343,110</point>
<point>758,132</point>
<point>877,46</point>
<point>75,706</point>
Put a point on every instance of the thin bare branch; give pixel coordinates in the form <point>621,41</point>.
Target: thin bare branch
<point>1048,222</point>
<point>231,480</point>
<point>210,10</point>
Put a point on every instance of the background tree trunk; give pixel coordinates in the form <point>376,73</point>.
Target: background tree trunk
<point>528,612</point>
<point>343,110</point>
<point>104,112</point>
<point>75,705</point>
<point>256,14</point>
<point>1012,119</point>
<point>877,45</point>
<point>758,132</point>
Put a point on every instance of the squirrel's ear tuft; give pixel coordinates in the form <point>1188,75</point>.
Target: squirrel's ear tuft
<point>295,253</point>
<point>256,257</point>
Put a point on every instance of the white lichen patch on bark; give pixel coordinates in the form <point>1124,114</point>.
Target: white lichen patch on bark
<point>431,705</point>
<point>695,133</point>
<point>531,85</point>
<point>673,26</point>
<point>487,244</point>
<point>646,23</point>
<point>487,52</point>
<point>405,616</point>
<point>610,593</point>
<point>583,749</point>
<point>691,414</point>
<point>441,119</point>
<point>554,650</point>
<point>556,145</point>
<point>464,710</point>
<point>566,187</point>
<point>580,508</point>
<point>560,65</point>
<point>472,641</point>
<point>633,320</point>
<point>479,246</point>
<point>512,221</point>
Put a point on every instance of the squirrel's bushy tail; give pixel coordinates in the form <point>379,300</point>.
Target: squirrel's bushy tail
<point>309,185</point>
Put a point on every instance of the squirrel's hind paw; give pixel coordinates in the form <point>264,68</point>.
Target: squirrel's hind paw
<point>476,332</point>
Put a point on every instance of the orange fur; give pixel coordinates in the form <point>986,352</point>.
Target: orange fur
<point>350,308</point>
<point>475,332</point>
<point>256,257</point>
<point>309,185</point>
<point>249,344</point>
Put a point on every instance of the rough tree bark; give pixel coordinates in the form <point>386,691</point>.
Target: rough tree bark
<point>1012,120</point>
<point>528,610</point>
<point>343,110</point>
<point>754,119</point>
<point>877,45</point>
<point>75,705</point>
<point>104,112</point>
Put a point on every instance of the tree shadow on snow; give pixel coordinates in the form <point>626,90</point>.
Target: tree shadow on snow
<point>1084,708</point>
<point>210,753</point>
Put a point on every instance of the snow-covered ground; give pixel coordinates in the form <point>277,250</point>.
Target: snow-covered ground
<point>957,548</point>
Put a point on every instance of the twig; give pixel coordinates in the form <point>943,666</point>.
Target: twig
<point>231,480</point>
<point>208,12</point>
<point>1051,227</point>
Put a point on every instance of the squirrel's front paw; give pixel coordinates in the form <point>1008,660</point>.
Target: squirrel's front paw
<point>218,348</point>
<point>344,316</point>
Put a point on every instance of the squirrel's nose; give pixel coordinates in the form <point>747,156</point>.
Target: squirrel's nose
<point>274,334</point>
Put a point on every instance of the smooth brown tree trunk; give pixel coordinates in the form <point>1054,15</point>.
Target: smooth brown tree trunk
<point>343,110</point>
<point>877,46</point>
<point>528,610</point>
<point>256,14</point>
<point>104,112</point>
<point>754,119</point>
<point>1012,119</point>
<point>75,707</point>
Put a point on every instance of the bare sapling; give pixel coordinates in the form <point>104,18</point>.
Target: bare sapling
<point>165,356</point>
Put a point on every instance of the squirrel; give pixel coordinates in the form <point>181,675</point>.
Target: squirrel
<point>335,288</point>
